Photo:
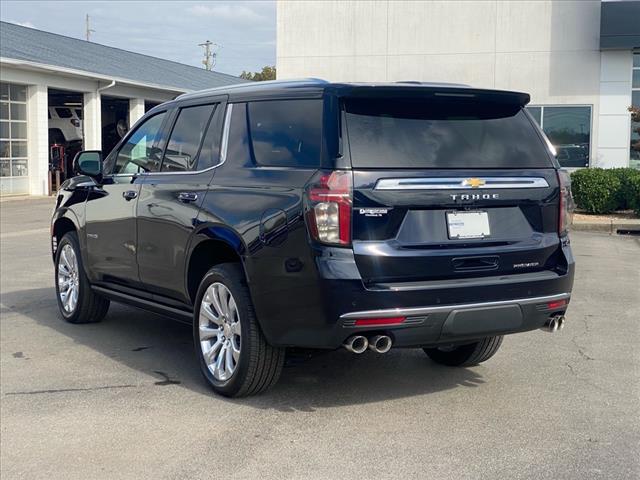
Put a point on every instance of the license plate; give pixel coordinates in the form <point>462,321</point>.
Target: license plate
<point>468,225</point>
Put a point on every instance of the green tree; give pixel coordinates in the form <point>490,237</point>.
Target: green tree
<point>267,73</point>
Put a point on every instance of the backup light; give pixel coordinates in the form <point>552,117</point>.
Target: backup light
<point>329,210</point>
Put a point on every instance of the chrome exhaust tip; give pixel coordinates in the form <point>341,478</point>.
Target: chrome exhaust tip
<point>380,343</point>
<point>554,324</point>
<point>356,344</point>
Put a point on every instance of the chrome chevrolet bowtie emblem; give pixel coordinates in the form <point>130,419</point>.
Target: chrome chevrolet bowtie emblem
<point>473,182</point>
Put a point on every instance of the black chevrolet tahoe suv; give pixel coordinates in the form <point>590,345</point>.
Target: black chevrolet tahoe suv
<point>323,215</point>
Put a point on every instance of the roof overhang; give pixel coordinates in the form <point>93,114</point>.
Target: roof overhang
<point>620,25</point>
<point>71,72</point>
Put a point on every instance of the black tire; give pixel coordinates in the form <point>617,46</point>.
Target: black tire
<point>466,355</point>
<point>90,307</point>
<point>259,364</point>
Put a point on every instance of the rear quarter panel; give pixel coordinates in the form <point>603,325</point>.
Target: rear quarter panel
<point>260,212</point>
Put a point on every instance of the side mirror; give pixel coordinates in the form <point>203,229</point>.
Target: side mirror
<point>88,162</point>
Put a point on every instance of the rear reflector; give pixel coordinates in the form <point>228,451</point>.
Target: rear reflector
<point>556,304</point>
<point>363,322</point>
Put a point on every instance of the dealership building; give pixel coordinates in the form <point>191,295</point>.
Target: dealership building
<point>78,94</point>
<point>579,60</point>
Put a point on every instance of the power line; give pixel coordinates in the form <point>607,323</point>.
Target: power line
<point>209,55</point>
<point>88,30</point>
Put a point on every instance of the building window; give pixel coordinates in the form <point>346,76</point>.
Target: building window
<point>634,151</point>
<point>13,139</point>
<point>568,129</point>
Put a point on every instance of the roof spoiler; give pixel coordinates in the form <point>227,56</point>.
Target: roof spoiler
<point>425,91</point>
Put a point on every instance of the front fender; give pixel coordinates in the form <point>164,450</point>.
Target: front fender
<point>70,205</point>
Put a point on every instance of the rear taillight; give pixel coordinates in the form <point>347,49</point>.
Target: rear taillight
<point>329,208</point>
<point>565,213</point>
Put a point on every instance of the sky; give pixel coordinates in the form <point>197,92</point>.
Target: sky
<point>244,30</point>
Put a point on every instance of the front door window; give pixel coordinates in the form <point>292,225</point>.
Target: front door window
<point>141,152</point>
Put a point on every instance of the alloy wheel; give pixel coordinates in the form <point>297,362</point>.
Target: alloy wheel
<point>219,331</point>
<point>68,279</point>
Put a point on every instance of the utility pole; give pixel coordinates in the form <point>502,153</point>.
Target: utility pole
<point>209,56</point>
<point>88,30</point>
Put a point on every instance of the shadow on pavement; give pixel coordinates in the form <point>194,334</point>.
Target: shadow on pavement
<point>163,348</point>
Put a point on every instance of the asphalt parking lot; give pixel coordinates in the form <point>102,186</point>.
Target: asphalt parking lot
<point>124,398</point>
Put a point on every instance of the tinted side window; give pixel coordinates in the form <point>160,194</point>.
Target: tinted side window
<point>210,150</point>
<point>286,133</point>
<point>238,151</point>
<point>184,142</point>
<point>140,153</point>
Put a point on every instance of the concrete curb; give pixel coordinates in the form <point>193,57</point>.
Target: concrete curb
<point>611,227</point>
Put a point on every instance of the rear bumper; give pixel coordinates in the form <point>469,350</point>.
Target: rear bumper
<point>320,308</point>
<point>417,326</point>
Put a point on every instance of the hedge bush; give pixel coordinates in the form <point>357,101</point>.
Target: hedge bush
<point>598,190</point>
<point>632,189</point>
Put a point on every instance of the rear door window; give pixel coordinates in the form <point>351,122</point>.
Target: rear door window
<point>184,142</point>
<point>441,133</point>
<point>286,133</point>
<point>210,150</point>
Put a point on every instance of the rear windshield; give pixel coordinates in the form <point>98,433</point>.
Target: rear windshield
<point>439,133</point>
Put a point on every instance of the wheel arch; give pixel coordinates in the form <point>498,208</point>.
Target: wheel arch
<point>211,246</point>
<point>63,224</point>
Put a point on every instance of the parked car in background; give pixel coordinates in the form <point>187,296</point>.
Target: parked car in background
<point>323,215</point>
<point>573,155</point>
<point>65,124</point>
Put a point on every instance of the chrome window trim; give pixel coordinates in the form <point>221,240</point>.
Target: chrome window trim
<point>395,312</point>
<point>459,183</point>
<point>223,150</point>
<point>226,127</point>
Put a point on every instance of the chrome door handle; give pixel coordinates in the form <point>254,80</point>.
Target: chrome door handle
<point>187,197</point>
<point>129,195</point>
